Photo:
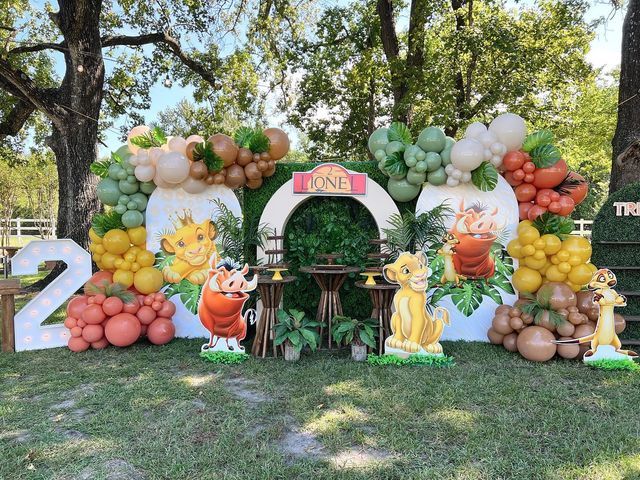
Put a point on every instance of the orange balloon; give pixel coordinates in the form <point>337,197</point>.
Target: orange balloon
<point>161,331</point>
<point>78,344</point>
<point>92,333</point>
<point>100,344</point>
<point>167,310</point>
<point>279,143</point>
<point>235,176</point>
<point>551,176</point>
<point>76,306</point>
<point>536,344</point>
<point>224,146</point>
<point>122,330</point>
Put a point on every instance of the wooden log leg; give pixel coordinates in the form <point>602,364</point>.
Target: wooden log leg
<point>8,334</point>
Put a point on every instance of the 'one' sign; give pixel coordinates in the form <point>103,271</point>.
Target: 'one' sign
<point>330,179</point>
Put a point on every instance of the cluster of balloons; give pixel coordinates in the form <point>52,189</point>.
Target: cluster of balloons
<point>481,144</point>
<point>124,253</point>
<point>187,162</point>
<point>547,258</point>
<point>545,188</point>
<point>123,191</point>
<point>106,315</point>
<point>517,331</point>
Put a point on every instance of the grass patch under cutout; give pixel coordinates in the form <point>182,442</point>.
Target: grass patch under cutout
<point>428,360</point>
<point>226,358</point>
<point>626,365</point>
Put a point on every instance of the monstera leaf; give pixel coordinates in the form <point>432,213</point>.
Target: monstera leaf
<point>545,156</point>
<point>399,132</point>
<point>395,166</point>
<point>485,177</point>
<point>537,139</point>
<point>466,298</point>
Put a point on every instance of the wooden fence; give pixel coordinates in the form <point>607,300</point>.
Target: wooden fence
<point>23,229</point>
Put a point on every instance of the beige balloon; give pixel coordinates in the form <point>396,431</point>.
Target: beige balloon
<point>536,344</point>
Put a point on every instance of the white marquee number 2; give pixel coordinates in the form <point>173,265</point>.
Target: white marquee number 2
<point>29,331</point>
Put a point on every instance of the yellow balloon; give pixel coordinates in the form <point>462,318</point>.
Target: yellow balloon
<point>564,267</point>
<point>528,235</point>
<point>146,258</point>
<point>579,246</point>
<point>108,261</point>
<point>574,287</point>
<point>99,249</point>
<point>528,250</point>
<point>514,249</point>
<point>554,259</point>
<point>524,224</point>
<point>580,274</point>
<point>552,244</point>
<point>137,235</point>
<point>592,267</point>
<point>563,255</point>
<point>575,260</point>
<point>93,236</point>
<point>539,244</point>
<point>535,263</point>
<point>554,275</point>
<point>148,280</point>
<point>116,241</point>
<point>539,255</point>
<point>124,277</point>
<point>526,280</point>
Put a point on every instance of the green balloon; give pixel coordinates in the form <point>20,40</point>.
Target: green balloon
<point>402,190</point>
<point>432,139</point>
<point>421,166</point>
<point>380,155</point>
<point>140,199</point>
<point>393,147</point>
<point>378,140</point>
<point>132,218</point>
<point>421,155</point>
<point>120,209</point>
<point>433,161</point>
<point>123,152</point>
<point>437,177</point>
<point>128,188</point>
<point>108,192</point>
<point>410,161</point>
<point>416,178</point>
<point>114,171</point>
<point>450,142</point>
<point>147,187</point>
<point>445,156</point>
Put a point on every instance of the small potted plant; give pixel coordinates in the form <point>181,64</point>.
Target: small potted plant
<point>359,333</point>
<point>296,331</point>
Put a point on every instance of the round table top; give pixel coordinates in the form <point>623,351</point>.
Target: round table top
<point>267,280</point>
<point>378,286</point>
<point>329,271</point>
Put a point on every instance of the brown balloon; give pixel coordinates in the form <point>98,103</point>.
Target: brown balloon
<point>235,176</point>
<point>558,294</point>
<point>278,143</point>
<point>583,330</point>
<point>264,156</point>
<point>577,318</point>
<point>527,318</point>
<point>253,184</point>
<point>515,312</point>
<point>190,148</point>
<point>218,179</point>
<point>224,146</point>
<point>256,157</point>
<point>503,309</point>
<point>536,344</point>
<point>501,324</point>
<point>209,180</point>
<point>495,337</point>
<point>587,306</point>
<point>568,350</point>
<point>620,324</point>
<point>516,323</point>
<point>245,157</point>
<point>251,171</point>
<point>262,165</point>
<point>545,322</point>
<point>198,170</point>
<point>271,170</point>
<point>565,329</point>
<point>510,342</point>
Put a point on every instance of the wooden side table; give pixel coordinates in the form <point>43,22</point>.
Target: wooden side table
<point>329,280</point>
<point>271,292</point>
<point>8,290</point>
<point>382,299</point>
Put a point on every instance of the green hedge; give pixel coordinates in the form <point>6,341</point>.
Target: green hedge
<point>321,225</point>
<point>609,227</point>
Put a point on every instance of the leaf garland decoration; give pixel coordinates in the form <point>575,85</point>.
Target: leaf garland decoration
<point>100,168</point>
<point>555,224</point>
<point>153,138</point>
<point>399,132</point>
<point>103,222</point>
<point>114,289</point>
<point>252,138</point>
<point>394,165</point>
<point>204,152</point>
<point>242,136</point>
<point>485,177</point>
<point>188,292</point>
<point>545,156</point>
<point>537,139</point>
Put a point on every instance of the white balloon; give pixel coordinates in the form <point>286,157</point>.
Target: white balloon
<point>487,154</point>
<point>452,182</point>
<point>466,177</point>
<point>487,139</point>
<point>457,174</point>
<point>145,173</point>
<point>160,182</point>
<point>194,138</point>
<point>496,161</point>
<point>510,130</point>
<point>191,185</point>
<point>467,154</point>
<point>133,160</point>
<point>154,154</point>
<point>498,148</point>
<point>449,169</point>
<point>475,130</point>
<point>173,167</point>
<point>178,144</point>
<point>143,157</point>
<point>135,132</point>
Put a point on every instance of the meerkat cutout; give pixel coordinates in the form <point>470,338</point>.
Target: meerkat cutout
<point>605,344</point>
<point>414,330</point>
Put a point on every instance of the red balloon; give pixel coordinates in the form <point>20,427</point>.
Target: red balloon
<point>100,344</point>
<point>76,306</point>
<point>514,160</point>
<point>161,331</point>
<point>523,210</point>
<point>535,211</point>
<point>168,309</point>
<point>146,315</point>
<point>99,279</point>
<point>122,330</point>
<point>78,344</point>
<point>525,192</point>
<point>566,205</point>
<point>551,176</point>
<point>92,333</point>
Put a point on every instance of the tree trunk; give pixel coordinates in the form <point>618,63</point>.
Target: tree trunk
<point>625,167</point>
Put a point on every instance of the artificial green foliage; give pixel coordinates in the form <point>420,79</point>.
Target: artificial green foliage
<point>204,151</point>
<point>189,293</point>
<point>619,365</point>
<point>103,222</point>
<point>551,223</point>
<point>153,138</point>
<point>607,227</point>
<point>297,329</point>
<point>225,358</point>
<point>413,360</point>
<point>539,307</point>
<point>545,156</point>
<point>399,131</point>
<point>347,330</point>
<point>537,139</point>
<point>100,168</point>
<point>394,165</point>
<point>110,290</point>
<point>485,177</point>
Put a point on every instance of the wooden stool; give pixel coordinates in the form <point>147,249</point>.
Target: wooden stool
<point>8,290</point>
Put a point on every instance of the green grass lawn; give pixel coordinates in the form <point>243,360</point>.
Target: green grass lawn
<point>162,412</point>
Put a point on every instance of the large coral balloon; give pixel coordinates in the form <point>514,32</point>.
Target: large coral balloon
<point>122,330</point>
<point>161,331</point>
<point>279,143</point>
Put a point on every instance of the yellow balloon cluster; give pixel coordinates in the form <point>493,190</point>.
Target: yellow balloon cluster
<point>124,253</point>
<point>546,258</point>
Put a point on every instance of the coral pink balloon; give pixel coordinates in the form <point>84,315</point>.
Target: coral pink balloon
<point>161,331</point>
<point>70,322</point>
<point>100,344</point>
<point>132,307</point>
<point>122,330</point>
<point>168,309</point>
<point>112,306</point>
<point>173,167</point>
<point>92,333</point>
<point>98,279</point>
<point>78,344</point>
<point>93,315</point>
<point>76,306</point>
<point>146,315</point>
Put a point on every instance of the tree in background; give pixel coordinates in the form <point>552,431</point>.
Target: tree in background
<point>625,166</point>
